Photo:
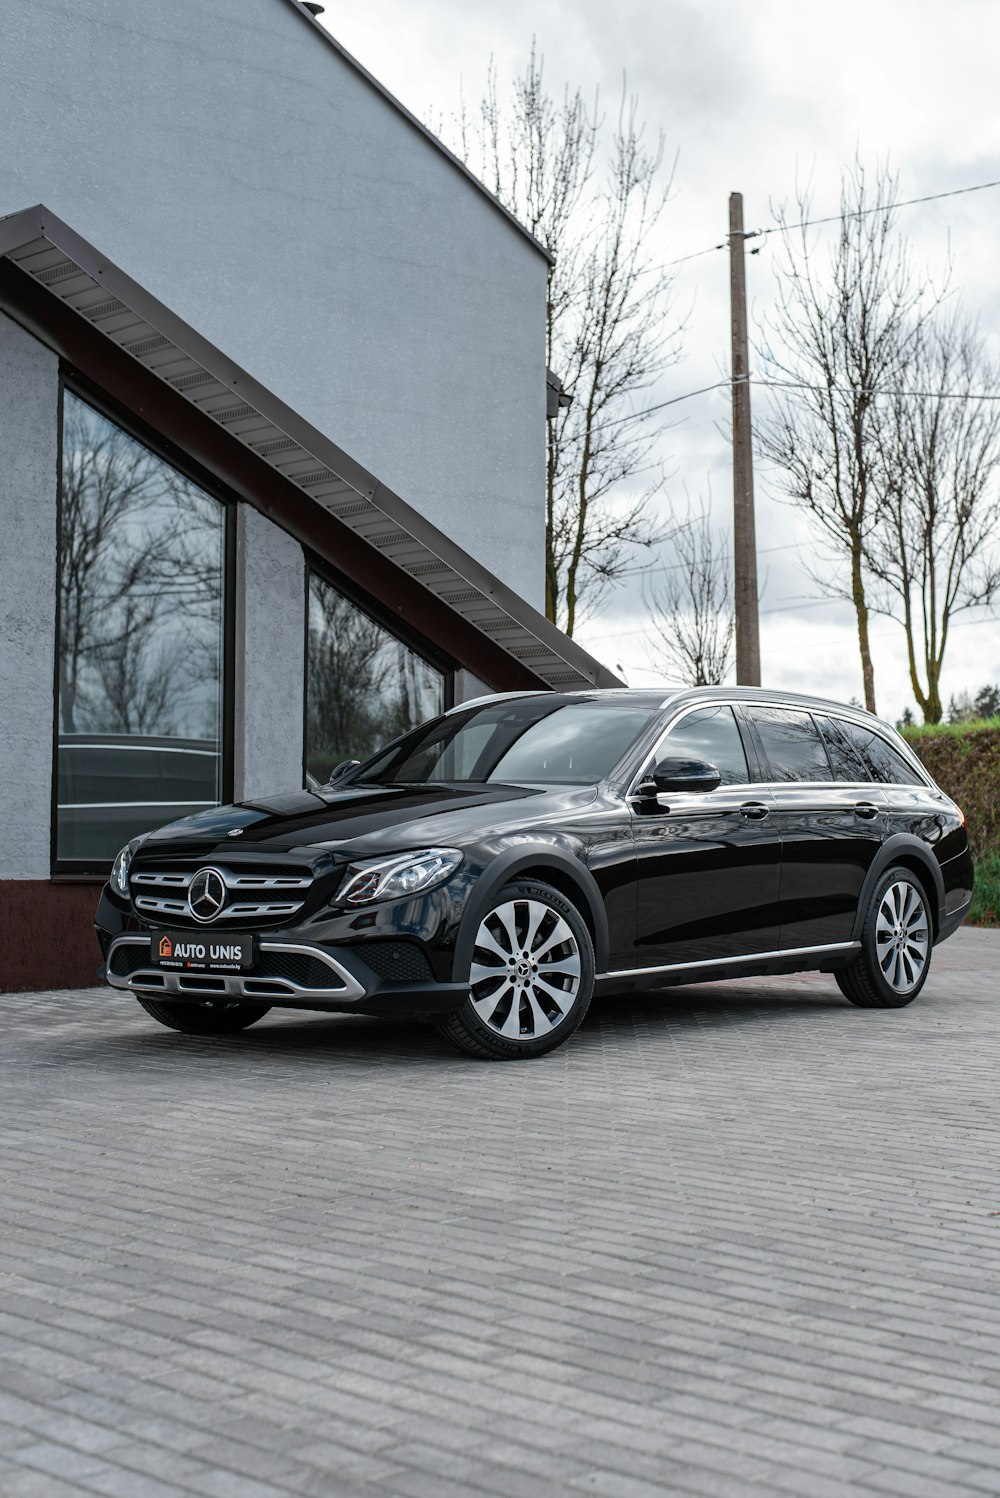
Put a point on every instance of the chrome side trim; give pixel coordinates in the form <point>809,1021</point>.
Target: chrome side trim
<point>778,954</point>
<point>256,986</point>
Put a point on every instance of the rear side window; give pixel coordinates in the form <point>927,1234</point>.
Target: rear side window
<point>884,763</point>
<point>710,734</point>
<point>846,758</point>
<point>791,743</point>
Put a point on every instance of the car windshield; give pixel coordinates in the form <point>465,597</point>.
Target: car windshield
<point>530,741</point>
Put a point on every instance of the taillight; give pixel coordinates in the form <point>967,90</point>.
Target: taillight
<point>961,815</point>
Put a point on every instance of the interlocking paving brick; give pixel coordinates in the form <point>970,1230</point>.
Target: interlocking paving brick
<point>735,1239</point>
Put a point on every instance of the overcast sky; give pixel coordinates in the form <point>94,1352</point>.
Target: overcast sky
<point>752,97</point>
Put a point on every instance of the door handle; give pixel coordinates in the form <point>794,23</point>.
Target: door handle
<point>756,810</point>
<point>866,809</point>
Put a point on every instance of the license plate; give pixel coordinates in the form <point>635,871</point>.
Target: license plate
<point>189,950</point>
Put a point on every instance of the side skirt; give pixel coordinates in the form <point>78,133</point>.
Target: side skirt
<point>824,959</point>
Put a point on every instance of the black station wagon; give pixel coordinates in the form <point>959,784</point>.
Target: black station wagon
<point>496,867</point>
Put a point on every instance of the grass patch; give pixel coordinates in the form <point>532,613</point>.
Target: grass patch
<point>917,731</point>
<point>985,908</point>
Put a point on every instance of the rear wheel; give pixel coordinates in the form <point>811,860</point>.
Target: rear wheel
<point>222,1018</point>
<point>896,943</point>
<point>531,978</point>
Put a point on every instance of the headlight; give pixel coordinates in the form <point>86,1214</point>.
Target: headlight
<point>402,874</point>
<point>119,871</point>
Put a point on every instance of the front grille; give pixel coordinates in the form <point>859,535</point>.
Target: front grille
<point>396,961</point>
<point>281,891</point>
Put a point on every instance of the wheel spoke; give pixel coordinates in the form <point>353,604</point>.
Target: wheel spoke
<point>563,997</point>
<point>541,1022</point>
<point>486,1004</point>
<point>569,964</point>
<point>511,1026</point>
<point>559,936</point>
<point>489,943</point>
<point>480,974</point>
<point>507,916</point>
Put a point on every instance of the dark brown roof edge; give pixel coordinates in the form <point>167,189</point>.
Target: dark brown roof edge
<point>23,228</point>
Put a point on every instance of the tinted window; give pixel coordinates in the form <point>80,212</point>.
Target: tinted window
<point>141,569</point>
<point>884,764</point>
<point>846,758</point>
<point>792,744</point>
<point>534,741</point>
<point>363,686</point>
<point>710,734</point>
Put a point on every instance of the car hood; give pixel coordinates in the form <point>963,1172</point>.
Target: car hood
<point>376,818</point>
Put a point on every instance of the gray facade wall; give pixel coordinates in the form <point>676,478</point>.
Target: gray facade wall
<point>270,657</point>
<point>228,158</point>
<point>29,433</point>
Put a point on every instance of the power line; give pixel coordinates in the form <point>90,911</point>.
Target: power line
<point>832,218</point>
<point>871,391</point>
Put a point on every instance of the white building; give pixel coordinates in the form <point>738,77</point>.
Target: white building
<point>272,405</point>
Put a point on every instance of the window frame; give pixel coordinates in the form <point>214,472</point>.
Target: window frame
<point>379,614</point>
<point>69,870</point>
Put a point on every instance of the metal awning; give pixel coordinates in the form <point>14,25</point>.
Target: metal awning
<point>84,281</point>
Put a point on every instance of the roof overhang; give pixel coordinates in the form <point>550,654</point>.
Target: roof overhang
<point>74,298</point>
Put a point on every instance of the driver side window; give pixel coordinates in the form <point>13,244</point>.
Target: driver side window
<point>710,734</point>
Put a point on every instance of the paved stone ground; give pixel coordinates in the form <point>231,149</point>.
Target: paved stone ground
<point>738,1239</point>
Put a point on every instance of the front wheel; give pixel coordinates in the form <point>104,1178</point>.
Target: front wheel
<point>896,940</point>
<point>222,1018</point>
<point>531,979</point>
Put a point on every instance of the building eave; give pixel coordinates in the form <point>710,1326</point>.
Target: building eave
<point>511,644</point>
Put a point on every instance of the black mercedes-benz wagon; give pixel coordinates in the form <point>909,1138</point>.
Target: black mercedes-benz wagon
<point>496,867</point>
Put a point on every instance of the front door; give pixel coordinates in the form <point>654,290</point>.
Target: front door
<point>707,863</point>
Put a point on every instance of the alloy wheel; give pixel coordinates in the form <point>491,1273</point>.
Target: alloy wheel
<point>526,969</point>
<point>902,936</point>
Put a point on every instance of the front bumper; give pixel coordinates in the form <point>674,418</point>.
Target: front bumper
<point>292,971</point>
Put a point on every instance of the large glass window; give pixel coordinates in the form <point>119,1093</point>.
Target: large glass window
<point>364,686</point>
<point>710,734</point>
<point>141,587</point>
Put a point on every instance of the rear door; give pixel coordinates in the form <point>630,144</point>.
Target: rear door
<point>831,817</point>
<point>707,864</point>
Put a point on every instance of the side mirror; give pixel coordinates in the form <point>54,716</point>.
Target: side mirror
<point>342,769</point>
<point>686,775</point>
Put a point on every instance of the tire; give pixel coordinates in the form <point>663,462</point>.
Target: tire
<point>531,979</point>
<point>204,1019</point>
<point>896,943</point>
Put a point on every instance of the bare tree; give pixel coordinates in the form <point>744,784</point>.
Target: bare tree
<point>691,612</point>
<point>610,324</point>
<point>840,337</point>
<point>934,551</point>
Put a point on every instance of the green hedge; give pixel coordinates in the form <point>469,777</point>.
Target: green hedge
<point>964,759</point>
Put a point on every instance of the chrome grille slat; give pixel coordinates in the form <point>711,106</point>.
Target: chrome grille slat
<point>240,911</point>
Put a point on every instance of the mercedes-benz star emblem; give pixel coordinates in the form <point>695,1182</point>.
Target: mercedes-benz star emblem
<point>206,894</point>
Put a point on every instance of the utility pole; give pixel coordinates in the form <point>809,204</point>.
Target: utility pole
<point>744,532</point>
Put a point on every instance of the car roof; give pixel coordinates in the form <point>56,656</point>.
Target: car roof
<point>666,695</point>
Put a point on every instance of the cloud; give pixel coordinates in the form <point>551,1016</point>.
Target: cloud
<point>754,97</point>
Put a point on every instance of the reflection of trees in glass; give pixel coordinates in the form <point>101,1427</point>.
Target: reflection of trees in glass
<point>141,558</point>
<point>364,686</point>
